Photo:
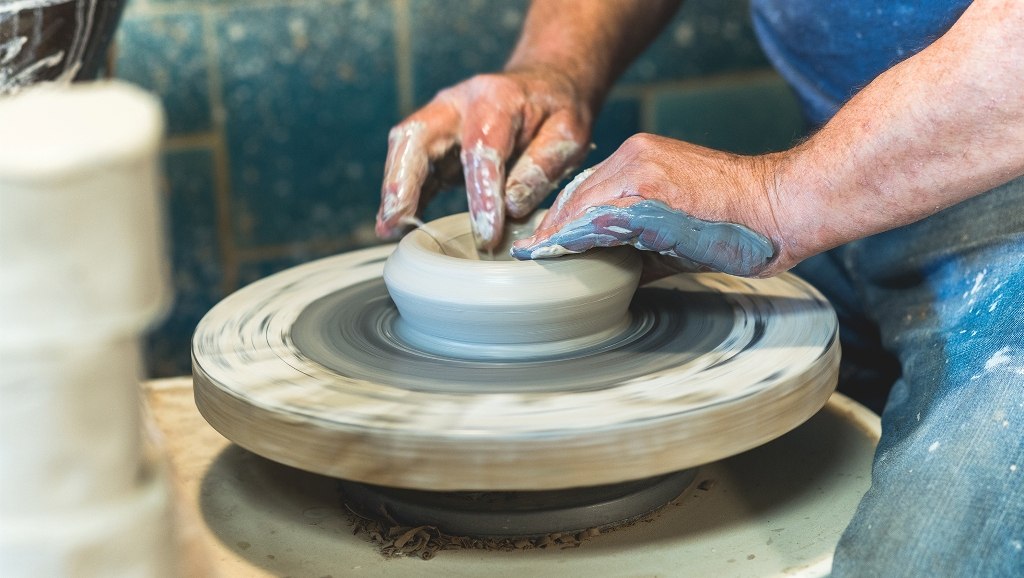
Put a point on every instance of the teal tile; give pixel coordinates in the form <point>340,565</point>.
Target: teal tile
<point>618,120</point>
<point>252,270</point>
<point>745,116</point>
<point>455,39</point>
<point>447,202</point>
<point>704,37</point>
<point>197,270</point>
<point>166,55</point>
<point>309,93</point>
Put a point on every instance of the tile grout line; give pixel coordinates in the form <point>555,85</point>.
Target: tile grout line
<point>194,140</point>
<point>717,80</point>
<point>403,57</point>
<point>221,161</point>
<point>136,7</point>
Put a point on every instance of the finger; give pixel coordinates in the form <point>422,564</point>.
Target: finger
<point>601,226</point>
<point>558,147</point>
<point>487,141</point>
<point>654,226</point>
<point>412,145</point>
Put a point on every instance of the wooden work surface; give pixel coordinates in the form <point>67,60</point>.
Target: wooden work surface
<point>777,510</point>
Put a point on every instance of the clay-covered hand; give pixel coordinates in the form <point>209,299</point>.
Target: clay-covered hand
<point>534,119</point>
<point>700,208</point>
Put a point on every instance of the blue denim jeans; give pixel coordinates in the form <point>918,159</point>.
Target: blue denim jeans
<point>934,313</point>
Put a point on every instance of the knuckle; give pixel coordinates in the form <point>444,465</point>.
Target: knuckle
<point>640,141</point>
<point>646,189</point>
<point>489,79</point>
<point>398,131</point>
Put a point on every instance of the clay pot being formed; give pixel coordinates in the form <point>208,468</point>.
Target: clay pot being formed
<point>456,303</point>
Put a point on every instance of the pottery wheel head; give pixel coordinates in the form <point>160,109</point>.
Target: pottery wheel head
<point>314,367</point>
<point>455,301</point>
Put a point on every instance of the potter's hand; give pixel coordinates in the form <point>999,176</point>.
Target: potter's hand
<point>702,209</point>
<point>535,116</point>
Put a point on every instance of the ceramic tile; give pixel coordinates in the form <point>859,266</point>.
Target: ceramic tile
<point>745,116</point>
<point>619,119</point>
<point>447,202</point>
<point>257,268</point>
<point>197,270</point>
<point>166,55</point>
<point>309,97</point>
<point>705,36</point>
<point>455,39</point>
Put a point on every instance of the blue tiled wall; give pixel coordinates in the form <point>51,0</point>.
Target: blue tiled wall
<point>278,112</point>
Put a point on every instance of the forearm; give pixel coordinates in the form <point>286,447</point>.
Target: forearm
<point>941,127</point>
<point>590,41</point>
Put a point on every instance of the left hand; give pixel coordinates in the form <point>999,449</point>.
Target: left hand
<point>700,208</point>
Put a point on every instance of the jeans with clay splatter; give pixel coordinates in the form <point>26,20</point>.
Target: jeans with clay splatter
<point>935,310</point>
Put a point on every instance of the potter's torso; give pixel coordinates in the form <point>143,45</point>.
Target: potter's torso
<point>829,50</point>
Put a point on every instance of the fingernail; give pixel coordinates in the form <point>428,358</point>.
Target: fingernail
<point>531,249</point>
<point>545,250</point>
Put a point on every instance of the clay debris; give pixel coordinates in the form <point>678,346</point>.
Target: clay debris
<point>396,540</point>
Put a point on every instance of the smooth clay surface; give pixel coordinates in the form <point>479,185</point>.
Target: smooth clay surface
<point>307,368</point>
<point>455,302</point>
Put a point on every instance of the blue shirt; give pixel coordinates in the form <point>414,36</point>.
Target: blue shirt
<point>828,50</point>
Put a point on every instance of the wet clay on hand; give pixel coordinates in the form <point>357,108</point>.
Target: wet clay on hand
<point>654,226</point>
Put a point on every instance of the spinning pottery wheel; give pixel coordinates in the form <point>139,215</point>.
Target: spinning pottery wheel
<point>315,368</point>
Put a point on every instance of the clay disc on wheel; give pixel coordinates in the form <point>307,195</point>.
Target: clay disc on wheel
<point>308,368</point>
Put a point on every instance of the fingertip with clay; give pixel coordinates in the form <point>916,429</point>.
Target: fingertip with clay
<point>521,199</point>
<point>395,228</point>
<point>485,172</point>
<point>557,240</point>
<point>555,152</point>
<point>405,172</point>
<point>529,249</point>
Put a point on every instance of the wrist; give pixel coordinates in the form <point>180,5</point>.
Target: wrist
<point>589,43</point>
<point>798,225</point>
<point>581,84</point>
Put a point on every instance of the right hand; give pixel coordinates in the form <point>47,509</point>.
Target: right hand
<point>687,207</point>
<point>535,117</point>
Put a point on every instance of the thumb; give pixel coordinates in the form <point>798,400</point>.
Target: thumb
<point>601,226</point>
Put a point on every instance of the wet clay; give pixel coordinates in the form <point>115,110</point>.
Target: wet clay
<point>455,302</point>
